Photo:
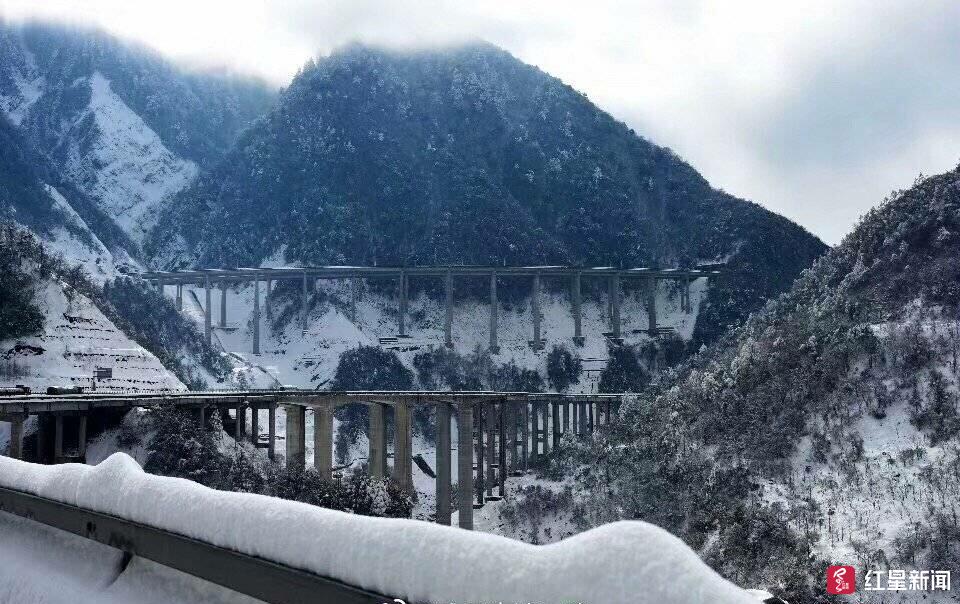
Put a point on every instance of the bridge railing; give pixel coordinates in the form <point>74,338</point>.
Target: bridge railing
<point>285,551</point>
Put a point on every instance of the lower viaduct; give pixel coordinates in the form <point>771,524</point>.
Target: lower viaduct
<point>507,431</point>
<point>223,278</point>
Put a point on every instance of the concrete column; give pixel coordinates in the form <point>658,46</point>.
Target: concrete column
<point>535,310</point>
<point>577,314</point>
<point>402,447</point>
<point>465,466</point>
<point>525,434</point>
<point>323,441</point>
<point>688,307</point>
<point>615,305</point>
<point>202,417</point>
<point>377,450</point>
<point>402,314</point>
<point>583,417</point>
<point>480,454</point>
<point>652,305</point>
<point>510,420</point>
<point>223,304</point>
<point>443,464</point>
<point>494,343</point>
<point>256,315</point>
<point>254,425</point>
<point>43,429</point>
<point>58,439</point>
<point>448,309</point>
<point>240,428</point>
<point>296,436</point>
<point>575,407</point>
<point>82,437</point>
<point>160,286</point>
<point>556,424</point>
<point>180,296</point>
<point>502,469</point>
<point>545,409</point>
<point>266,297</point>
<point>566,417</point>
<point>534,432</point>
<point>354,293</point>
<point>272,431</point>
<point>491,450</point>
<point>590,415</point>
<point>16,437</point>
<point>303,304</point>
<point>207,329</point>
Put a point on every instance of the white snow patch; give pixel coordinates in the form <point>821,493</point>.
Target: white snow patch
<point>418,561</point>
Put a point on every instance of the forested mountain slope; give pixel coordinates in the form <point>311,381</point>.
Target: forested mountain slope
<point>467,155</point>
<point>121,124</point>
<point>826,429</point>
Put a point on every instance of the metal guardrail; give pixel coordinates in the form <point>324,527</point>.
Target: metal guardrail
<point>256,577</point>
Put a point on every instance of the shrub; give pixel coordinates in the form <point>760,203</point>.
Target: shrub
<point>563,368</point>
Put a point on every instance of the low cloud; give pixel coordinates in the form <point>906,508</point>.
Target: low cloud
<point>815,110</point>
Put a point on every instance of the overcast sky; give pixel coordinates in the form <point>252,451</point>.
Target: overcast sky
<point>815,109</point>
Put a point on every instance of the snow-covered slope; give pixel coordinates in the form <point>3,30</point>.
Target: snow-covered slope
<point>77,338</point>
<point>118,160</point>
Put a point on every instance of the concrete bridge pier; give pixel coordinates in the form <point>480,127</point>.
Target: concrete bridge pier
<point>180,297</point>
<point>491,448</point>
<point>502,469</point>
<point>494,343</point>
<point>256,315</point>
<point>479,482</point>
<point>534,433</point>
<point>377,459</point>
<point>525,435</point>
<point>537,342</point>
<point>323,440</point>
<point>223,304</point>
<point>354,295</point>
<point>448,310</point>
<point>402,314</point>
<point>556,424</point>
<point>254,425</point>
<point>575,300</point>
<point>652,305</point>
<point>614,287</point>
<point>443,464</point>
<point>207,327</point>
<point>465,465</point>
<point>272,431</point>
<point>296,436</point>
<point>544,436</point>
<point>16,435</point>
<point>402,447</point>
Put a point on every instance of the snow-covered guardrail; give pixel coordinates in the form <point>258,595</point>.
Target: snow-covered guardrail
<point>285,551</point>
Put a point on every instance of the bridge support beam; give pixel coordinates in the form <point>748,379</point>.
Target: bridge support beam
<point>615,306</point>
<point>491,449</point>
<point>556,425</point>
<point>494,343</point>
<point>354,294</point>
<point>402,447</point>
<point>376,461</point>
<point>254,425</point>
<point>465,466</point>
<point>223,304</point>
<point>537,342</point>
<point>479,482</point>
<point>443,464</point>
<point>510,420</point>
<point>57,438</point>
<point>577,314</point>
<point>272,431</point>
<point>687,307</point>
<point>240,428</point>
<point>525,435</point>
<point>303,304</point>
<point>652,305</point>
<point>256,315</point>
<point>207,327</point>
<point>296,436</point>
<point>545,409</point>
<point>502,469</point>
<point>16,436</point>
<point>402,314</point>
<point>82,437</point>
<point>448,310</point>
<point>180,297</point>
<point>323,441</point>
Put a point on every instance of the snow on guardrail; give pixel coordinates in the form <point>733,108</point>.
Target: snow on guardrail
<point>625,562</point>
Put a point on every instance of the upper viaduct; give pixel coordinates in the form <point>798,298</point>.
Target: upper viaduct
<point>207,278</point>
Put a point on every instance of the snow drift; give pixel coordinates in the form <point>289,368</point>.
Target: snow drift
<point>620,562</point>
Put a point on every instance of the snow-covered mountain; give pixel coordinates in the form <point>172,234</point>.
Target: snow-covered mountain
<point>826,430</point>
<point>119,123</point>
